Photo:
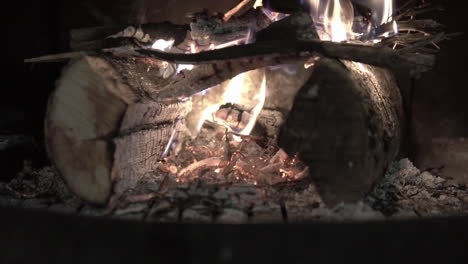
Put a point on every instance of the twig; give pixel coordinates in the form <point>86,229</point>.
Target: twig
<point>235,10</point>
<point>227,146</point>
<point>57,57</point>
<point>209,162</point>
<point>419,25</point>
<point>430,40</point>
<point>127,49</point>
<point>403,8</point>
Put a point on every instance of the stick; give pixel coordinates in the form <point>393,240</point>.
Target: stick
<point>126,49</point>
<point>235,10</point>
<point>57,57</point>
<point>378,56</point>
<point>206,163</point>
<point>430,40</point>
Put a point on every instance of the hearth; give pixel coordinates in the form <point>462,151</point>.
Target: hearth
<point>276,111</point>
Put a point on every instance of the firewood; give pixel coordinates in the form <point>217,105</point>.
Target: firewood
<point>235,9</point>
<point>205,27</point>
<point>352,129</point>
<point>96,38</point>
<point>100,125</point>
<point>378,56</point>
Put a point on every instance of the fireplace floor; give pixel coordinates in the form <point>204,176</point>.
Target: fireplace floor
<point>405,191</point>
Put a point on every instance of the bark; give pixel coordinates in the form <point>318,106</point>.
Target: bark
<point>346,125</point>
<point>96,38</point>
<point>98,116</point>
<point>378,56</point>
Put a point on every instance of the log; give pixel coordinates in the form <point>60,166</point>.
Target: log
<point>101,127</point>
<point>346,124</point>
<point>96,38</point>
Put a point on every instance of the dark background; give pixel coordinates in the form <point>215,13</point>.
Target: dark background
<point>436,104</point>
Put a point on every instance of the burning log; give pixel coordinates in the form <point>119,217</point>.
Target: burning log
<point>102,127</point>
<point>351,130</point>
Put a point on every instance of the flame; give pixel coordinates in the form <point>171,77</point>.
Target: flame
<point>334,19</point>
<point>337,25</point>
<point>257,109</point>
<point>258,3</point>
<point>395,27</point>
<point>386,11</point>
<point>162,44</point>
<point>236,92</point>
<point>207,114</point>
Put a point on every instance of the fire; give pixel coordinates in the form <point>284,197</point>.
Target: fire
<point>162,44</point>
<point>258,108</point>
<point>334,19</point>
<point>237,93</point>
<point>386,13</point>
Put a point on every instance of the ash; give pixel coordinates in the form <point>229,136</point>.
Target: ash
<point>404,191</point>
<point>38,189</point>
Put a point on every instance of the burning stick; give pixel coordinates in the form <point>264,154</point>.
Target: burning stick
<point>235,9</point>
<point>213,162</point>
<point>273,50</point>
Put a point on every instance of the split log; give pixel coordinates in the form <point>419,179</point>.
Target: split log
<point>96,38</point>
<point>101,126</point>
<point>346,124</point>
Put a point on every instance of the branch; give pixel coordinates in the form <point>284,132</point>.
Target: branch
<point>235,9</point>
<point>57,57</point>
<point>378,56</point>
<point>223,64</point>
<point>117,47</point>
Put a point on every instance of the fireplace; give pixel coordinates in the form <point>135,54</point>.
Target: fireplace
<point>272,112</point>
